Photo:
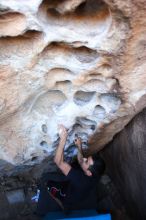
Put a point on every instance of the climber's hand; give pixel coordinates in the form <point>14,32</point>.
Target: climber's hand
<point>62,132</point>
<point>78,141</point>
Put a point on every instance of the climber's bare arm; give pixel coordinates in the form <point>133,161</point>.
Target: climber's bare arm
<point>78,143</point>
<point>59,155</point>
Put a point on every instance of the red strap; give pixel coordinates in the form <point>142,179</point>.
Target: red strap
<point>53,191</point>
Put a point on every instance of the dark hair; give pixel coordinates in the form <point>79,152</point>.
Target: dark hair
<point>98,167</point>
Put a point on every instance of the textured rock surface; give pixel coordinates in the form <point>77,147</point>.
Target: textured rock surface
<point>80,63</point>
<point>126,161</point>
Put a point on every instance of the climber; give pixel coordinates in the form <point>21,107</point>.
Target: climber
<point>79,179</point>
<point>88,165</point>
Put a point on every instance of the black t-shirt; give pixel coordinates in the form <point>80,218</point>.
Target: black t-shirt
<point>79,187</point>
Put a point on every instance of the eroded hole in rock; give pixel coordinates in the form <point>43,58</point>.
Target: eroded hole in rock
<point>62,85</point>
<point>110,102</point>
<point>44,128</point>
<point>68,6</point>
<point>99,112</point>
<point>95,85</point>
<point>85,55</point>
<point>34,158</point>
<point>96,15</point>
<point>93,127</point>
<point>86,123</point>
<point>82,98</point>
<point>27,43</point>
<point>84,10</point>
<point>47,100</point>
<point>12,24</point>
<point>30,35</point>
<point>59,72</point>
<point>56,97</point>
<point>59,75</point>
<point>84,136</point>
<point>105,70</point>
<point>87,8</point>
<point>44,144</point>
<point>94,75</point>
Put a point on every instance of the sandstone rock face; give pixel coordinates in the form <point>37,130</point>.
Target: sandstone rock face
<point>80,63</point>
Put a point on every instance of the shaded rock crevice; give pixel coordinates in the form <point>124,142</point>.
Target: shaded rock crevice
<point>125,158</point>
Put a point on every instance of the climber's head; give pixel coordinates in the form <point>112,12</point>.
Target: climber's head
<point>93,166</point>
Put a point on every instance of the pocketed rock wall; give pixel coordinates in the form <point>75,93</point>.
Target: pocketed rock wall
<point>80,63</point>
